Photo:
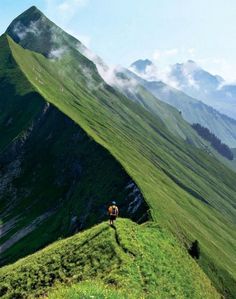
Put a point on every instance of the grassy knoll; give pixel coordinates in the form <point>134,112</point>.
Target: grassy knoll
<point>143,261</point>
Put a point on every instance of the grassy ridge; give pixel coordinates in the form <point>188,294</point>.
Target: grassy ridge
<point>92,289</point>
<point>144,259</point>
<point>175,178</point>
<point>51,171</point>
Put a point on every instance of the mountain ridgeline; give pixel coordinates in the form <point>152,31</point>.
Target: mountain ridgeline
<point>202,85</point>
<point>193,109</point>
<point>70,143</point>
<point>122,259</point>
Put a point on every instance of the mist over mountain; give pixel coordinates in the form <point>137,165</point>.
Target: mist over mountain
<point>141,66</point>
<point>76,135</point>
<point>196,82</point>
<point>192,110</point>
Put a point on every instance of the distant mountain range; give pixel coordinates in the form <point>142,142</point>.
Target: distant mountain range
<point>192,109</point>
<point>76,135</point>
<point>188,77</point>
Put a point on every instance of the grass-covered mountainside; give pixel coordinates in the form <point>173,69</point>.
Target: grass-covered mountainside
<point>129,84</point>
<point>54,177</point>
<point>170,116</point>
<point>130,261</point>
<point>187,191</point>
<point>192,110</point>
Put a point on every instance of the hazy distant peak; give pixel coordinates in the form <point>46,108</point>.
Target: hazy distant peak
<point>141,65</point>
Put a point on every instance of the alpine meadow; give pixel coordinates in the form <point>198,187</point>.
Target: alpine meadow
<point>75,135</point>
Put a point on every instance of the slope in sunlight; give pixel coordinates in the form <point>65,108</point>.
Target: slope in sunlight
<point>144,259</point>
<point>187,190</point>
<point>54,178</point>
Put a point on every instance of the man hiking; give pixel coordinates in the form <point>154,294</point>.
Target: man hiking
<point>113,212</point>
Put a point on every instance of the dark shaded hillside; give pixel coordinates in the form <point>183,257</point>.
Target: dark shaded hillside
<point>54,178</point>
<point>171,174</point>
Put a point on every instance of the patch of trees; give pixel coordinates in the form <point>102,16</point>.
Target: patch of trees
<point>194,250</point>
<point>216,143</point>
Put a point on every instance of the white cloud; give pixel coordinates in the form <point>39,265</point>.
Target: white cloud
<point>157,55</point>
<point>70,6</point>
<point>163,54</point>
<point>21,30</point>
<point>171,52</point>
<point>108,73</point>
<point>84,39</point>
<point>220,66</point>
<point>157,73</point>
<point>57,53</point>
<point>191,52</point>
<point>63,11</point>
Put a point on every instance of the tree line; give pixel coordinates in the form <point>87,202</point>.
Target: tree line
<point>216,143</point>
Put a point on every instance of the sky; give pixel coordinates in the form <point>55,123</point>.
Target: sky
<point>165,31</point>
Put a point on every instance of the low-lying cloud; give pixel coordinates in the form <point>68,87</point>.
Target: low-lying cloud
<point>21,30</point>
<point>110,74</point>
<point>57,53</point>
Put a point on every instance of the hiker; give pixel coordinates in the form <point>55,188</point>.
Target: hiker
<point>113,212</point>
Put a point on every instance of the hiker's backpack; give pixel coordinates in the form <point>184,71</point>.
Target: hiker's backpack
<point>114,210</point>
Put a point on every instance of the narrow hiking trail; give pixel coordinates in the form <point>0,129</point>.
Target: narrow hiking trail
<point>143,257</point>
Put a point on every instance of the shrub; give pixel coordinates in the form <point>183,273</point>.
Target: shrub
<point>194,250</point>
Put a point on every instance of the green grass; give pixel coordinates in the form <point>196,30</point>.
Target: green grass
<point>188,191</point>
<point>192,110</point>
<point>62,171</point>
<point>91,289</point>
<point>173,175</point>
<point>170,116</point>
<point>145,261</point>
<point>138,90</point>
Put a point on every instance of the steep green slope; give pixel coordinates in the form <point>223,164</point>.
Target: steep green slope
<point>167,113</point>
<point>187,190</point>
<point>190,192</point>
<point>54,178</point>
<point>144,259</point>
<point>192,110</point>
<point>170,116</point>
<point>131,85</point>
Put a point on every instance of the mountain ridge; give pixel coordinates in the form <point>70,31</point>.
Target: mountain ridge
<point>193,110</point>
<point>120,257</point>
<point>197,83</point>
<point>143,145</point>
<point>90,118</point>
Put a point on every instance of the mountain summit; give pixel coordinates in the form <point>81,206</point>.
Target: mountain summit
<point>189,74</point>
<point>34,31</point>
<point>202,85</point>
<point>70,144</point>
<point>192,109</point>
<point>141,65</point>
<point>194,81</point>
